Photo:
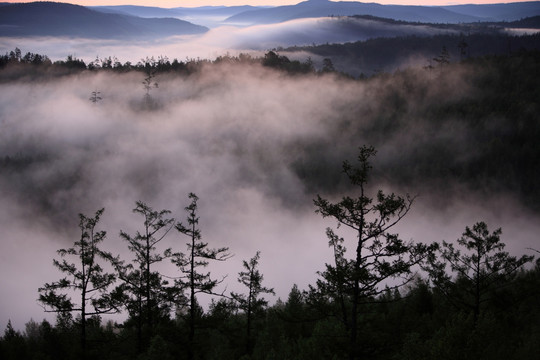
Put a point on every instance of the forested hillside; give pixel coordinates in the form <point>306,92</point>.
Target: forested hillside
<point>468,125</point>
<point>60,19</point>
<point>436,14</point>
<point>486,140</point>
<point>388,54</point>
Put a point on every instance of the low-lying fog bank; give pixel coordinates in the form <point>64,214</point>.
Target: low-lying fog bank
<point>256,145</point>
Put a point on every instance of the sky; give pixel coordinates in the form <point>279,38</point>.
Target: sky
<point>194,3</point>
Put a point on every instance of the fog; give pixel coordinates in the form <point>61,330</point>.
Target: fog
<point>221,40</point>
<point>255,145</point>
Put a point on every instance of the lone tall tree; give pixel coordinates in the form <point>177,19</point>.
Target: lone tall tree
<point>250,303</point>
<point>380,255</point>
<point>87,278</point>
<point>198,255</point>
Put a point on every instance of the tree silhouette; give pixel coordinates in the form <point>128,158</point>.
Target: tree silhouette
<point>379,256</point>
<point>250,303</point>
<point>443,58</point>
<point>144,288</point>
<point>198,256</point>
<point>150,66</point>
<point>328,65</point>
<point>95,97</point>
<point>87,278</point>
<point>480,266</point>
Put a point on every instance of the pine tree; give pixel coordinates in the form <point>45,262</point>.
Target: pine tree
<point>379,256</point>
<point>251,303</point>
<point>146,292</point>
<point>87,278</point>
<point>480,267</point>
<point>198,256</point>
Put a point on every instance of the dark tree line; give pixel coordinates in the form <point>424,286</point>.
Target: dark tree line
<point>15,56</point>
<point>472,299</point>
<point>152,66</point>
<point>370,57</point>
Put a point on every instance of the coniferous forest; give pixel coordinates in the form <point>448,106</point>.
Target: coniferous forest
<point>381,296</point>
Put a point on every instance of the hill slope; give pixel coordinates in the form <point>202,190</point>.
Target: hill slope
<point>450,14</point>
<point>60,19</point>
<point>498,12</point>
<point>210,16</point>
<point>329,30</point>
<point>322,8</point>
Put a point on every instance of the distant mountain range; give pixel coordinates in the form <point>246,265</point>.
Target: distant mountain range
<point>211,16</point>
<point>426,14</point>
<point>60,19</point>
<point>139,22</point>
<point>498,12</point>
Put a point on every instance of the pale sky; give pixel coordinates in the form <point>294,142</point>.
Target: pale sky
<point>193,3</point>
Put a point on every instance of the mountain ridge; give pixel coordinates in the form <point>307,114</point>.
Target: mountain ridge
<point>210,16</point>
<point>447,14</point>
<point>68,20</point>
<point>62,19</point>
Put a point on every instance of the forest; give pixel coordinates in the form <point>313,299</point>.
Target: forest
<point>387,54</point>
<point>381,297</point>
<point>473,300</point>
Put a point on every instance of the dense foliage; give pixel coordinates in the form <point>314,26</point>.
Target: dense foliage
<point>418,322</point>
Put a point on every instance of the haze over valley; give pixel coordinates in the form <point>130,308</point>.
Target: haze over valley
<point>254,109</point>
<point>131,33</point>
